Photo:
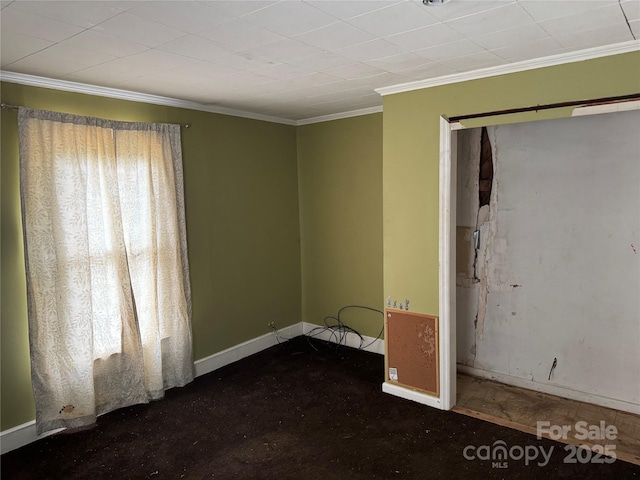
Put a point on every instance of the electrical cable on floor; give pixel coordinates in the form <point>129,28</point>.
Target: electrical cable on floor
<point>337,330</point>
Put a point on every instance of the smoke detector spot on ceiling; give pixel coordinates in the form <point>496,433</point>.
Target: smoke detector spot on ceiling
<point>433,3</point>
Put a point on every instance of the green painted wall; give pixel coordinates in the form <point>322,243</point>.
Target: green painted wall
<point>411,154</point>
<point>241,195</point>
<point>340,182</point>
<point>255,189</point>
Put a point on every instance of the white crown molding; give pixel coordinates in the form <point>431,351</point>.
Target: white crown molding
<point>67,86</point>
<point>339,116</point>
<point>85,88</point>
<point>569,57</point>
<point>581,55</point>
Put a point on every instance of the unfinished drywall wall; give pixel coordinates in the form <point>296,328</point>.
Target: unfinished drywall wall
<point>557,271</point>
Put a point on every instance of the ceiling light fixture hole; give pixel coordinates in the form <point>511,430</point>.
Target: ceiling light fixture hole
<point>433,3</point>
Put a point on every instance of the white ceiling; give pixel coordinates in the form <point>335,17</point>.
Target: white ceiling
<point>294,59</point>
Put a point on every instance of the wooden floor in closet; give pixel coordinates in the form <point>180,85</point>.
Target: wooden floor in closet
<point>521,409</point>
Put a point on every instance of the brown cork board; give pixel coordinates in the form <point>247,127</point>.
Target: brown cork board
<point>412,351</point>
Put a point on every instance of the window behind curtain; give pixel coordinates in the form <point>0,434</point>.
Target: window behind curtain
<point>107,271</point>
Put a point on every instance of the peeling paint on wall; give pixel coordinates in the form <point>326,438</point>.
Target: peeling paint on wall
<point>476,178</point>
<point>556,273</point>
<point>469,142</point>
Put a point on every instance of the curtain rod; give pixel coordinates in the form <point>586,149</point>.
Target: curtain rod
<point>535,108</point>
<point>16,107</point>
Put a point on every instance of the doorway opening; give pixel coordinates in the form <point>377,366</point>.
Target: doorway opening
<point>471,353</point>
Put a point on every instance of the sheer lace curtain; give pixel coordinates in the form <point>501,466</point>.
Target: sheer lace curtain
<point>108,289</point>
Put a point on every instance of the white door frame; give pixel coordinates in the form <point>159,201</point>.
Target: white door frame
<point>447,262</point>
<point>447,246</point>
<point>447,278</point>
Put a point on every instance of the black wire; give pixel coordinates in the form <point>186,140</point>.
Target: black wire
<point>340,331</point>
<point>377,338</point>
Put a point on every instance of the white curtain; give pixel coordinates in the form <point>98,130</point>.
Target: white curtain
<point>108,290</point>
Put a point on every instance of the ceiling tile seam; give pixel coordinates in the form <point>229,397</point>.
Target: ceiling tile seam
<point>565,45</point>
<point>85,67</point>
<point>528,14</point>
<point>207,39</point>
<point>470,38</point>
<point>236,53</point>
<point>80,67</point>
<point>248,49</point>
<point>481,12</point>
<point>575,31</point>
<point>345,20</point>
<point>198,35</point>
<point>224,47</point>
<point>295,37</point>
<point>439,22</point>
<point>84,30</point>
<point>253,11</point>
<point>566,15</point>
<point>554,37</point>
<point>626,19</point>
<point>219,44</point>
<point>29,12</point>
<point>30,54</point>
<point>444,45</point>
<point>337,20</point>
<point>312,97</point>
<point>47,39</point>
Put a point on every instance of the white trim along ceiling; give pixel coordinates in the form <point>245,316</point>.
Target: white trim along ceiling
<point>297,61</point>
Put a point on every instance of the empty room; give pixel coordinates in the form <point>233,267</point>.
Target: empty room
<point>300,239</point>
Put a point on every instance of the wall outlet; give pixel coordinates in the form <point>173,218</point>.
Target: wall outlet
<point>398,304</point>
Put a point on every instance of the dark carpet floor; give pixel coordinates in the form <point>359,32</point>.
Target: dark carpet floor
<point>290,412</point>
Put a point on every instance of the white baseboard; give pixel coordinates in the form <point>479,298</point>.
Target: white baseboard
<point>24,434</point>
<point>371,344</point>
<point>413,395</point>
<point>557,390</point>
<point>21,435</point>
<point>244,349</point>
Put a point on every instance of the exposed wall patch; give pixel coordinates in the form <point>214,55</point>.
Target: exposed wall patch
<point>485,180</point>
